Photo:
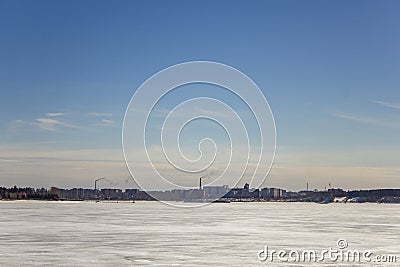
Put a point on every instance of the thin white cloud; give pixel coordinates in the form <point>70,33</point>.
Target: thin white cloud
<point>55,114</point>
<point>387,104</point>
<point>46,124</point>
<point>51,124</point>
<point>78,168</point>
<point>103,117</point>
<point>106,123</point>
<point>367,120</point>
<point>97,114</point>
<point>39,166</point>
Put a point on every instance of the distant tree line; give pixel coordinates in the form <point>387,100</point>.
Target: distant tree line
<point>376,195</point>
<point>26,193</point>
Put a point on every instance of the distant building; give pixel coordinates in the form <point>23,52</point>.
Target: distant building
<point>272,193</point>
<point>131,193</point>
<point>56,191</point>
<point>111,193</point>
<point>213,192</point>
<point>337,192</point>
<point>243,193</point>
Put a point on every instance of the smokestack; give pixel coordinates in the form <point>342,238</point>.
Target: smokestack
<point>200,183</point>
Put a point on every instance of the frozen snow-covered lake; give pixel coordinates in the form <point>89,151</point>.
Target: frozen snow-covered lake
<point>40,233</point>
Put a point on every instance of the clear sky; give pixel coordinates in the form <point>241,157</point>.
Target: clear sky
<point>329,69</point>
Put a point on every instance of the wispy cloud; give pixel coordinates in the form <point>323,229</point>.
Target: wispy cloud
<point>49,123</point>
<point>55,114</point>
<point>362,119</point>
<point>389,105</point>
<point>102,119</point>
<point>106,123</point>
<point>66,168</point>
<point>97,114</point>
<point>195,111</point>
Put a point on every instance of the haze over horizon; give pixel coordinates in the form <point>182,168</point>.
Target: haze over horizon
<point>329,70</point>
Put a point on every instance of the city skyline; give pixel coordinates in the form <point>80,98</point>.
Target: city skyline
<point>328,70</point>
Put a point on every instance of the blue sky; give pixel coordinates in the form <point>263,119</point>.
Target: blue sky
<point>329,69</point>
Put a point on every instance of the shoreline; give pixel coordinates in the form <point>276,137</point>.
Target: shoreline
<point>179,201</point>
